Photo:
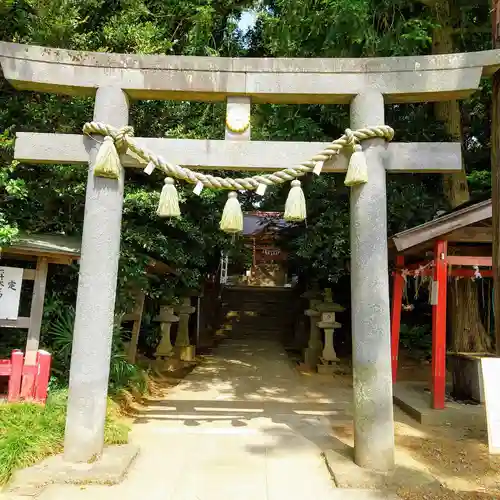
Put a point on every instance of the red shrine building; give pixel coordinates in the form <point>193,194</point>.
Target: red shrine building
<point>269,263</point>
<point>456,245</point>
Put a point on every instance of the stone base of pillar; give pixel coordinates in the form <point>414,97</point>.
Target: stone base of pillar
<point>300,336</point>
<point>329,369</point>
<point>110,468</point>
<point>311,357</point>
<point>186,353</point>
<point>164,353</point>
<point>167,364</point>
<point>206,341</point>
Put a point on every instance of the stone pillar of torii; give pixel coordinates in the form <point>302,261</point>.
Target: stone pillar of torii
<point>366,84</point>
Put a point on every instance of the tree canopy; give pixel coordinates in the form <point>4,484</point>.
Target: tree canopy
<point>51,198</point>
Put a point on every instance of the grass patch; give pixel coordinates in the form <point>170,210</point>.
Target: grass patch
<point>30,432</point>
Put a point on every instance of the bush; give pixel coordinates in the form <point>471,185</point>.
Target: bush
<point>31,432</point>
<point>122,374</point>
<point>416,338</point>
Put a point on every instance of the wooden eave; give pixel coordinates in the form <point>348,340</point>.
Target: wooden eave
<point>469,225</point>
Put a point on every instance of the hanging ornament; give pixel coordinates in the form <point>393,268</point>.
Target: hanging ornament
<point>318,167</point>
<point>237,120</point>
<point>295,207</point>
<point>149,168</point>
<point>169,200</point>
<point>357,171</point>
<point>107,163</point>
<point>261,189</point>
<point>232,216</point>
<point>198,188</point>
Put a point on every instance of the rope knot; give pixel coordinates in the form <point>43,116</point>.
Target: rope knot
<point>120,137</point>
<point>350,138</point>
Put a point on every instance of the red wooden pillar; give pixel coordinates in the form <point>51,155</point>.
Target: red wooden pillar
<point>16,374</point>
<point>43,376</point>
<point>397,302</point>
<point>439,325</point>
<point>28,382</point>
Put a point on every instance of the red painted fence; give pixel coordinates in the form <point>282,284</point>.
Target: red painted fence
<point>26,382</point>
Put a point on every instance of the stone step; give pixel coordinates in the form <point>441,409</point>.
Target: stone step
<point>251,306</point>
<point>348,494</point>
<point>258,307</point>
<point>273,310</point>
<point>242,306</point>
<point>259,295</point>
<point>259,313</point>
<point>255,315</point>
<point>261,300</point>
<point>255,330</point>
<point>262,321</point>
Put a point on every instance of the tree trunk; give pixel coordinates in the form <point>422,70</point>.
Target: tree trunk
<point>467,331</point>
<point>495,193</point>
<point>455,186</point>
<point>469,334</point>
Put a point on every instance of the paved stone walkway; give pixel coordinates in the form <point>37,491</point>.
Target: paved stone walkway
<point>242,426</point>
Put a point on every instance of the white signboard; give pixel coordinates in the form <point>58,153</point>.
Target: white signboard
<point>434,293</point>
<point>11,279</point>
<point>490,370</point>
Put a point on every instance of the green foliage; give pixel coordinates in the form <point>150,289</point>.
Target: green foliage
<point>30,432</point>
<point>416,338</point>
<point>122,374</point>
<point>355,28</point>
<point>479,182</point>
<point>364,28</point>
<point>51,198</point>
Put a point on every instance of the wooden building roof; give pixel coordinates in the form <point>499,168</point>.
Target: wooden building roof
<point>57,248</point>
<point>467,226</point>
<point>257,223</point>
<point>62,249</point>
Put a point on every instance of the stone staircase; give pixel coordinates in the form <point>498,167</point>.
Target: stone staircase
<point>260,312</point>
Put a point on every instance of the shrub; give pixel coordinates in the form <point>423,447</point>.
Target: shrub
<point>416,338</point>
<point>31,432</point>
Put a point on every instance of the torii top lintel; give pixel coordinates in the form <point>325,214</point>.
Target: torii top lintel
<point>277,80</point>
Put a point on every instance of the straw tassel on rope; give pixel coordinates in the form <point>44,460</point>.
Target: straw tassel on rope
<point>295,207</point>
<point>232,216</point>
<point>107,163</point>
<point>169,200</point>
<point>357,171</point>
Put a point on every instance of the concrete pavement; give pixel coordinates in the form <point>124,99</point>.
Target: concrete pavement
<point>244,425</point>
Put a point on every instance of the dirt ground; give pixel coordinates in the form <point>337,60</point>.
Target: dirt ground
<point>456,457</point>
<point>158,384</point>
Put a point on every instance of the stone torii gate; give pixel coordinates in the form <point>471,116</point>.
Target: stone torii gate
<point>366,84</point>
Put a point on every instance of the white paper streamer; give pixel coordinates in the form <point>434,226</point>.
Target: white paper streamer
<point>149,168</point>
<point>261,189</point>
<point>198,188</point>
<point>318,167</point>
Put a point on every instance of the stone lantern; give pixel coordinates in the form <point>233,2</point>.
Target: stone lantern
<point>314,346</point>
<point>166,318</point>
<point>183,348</point>
<point>327,309</point>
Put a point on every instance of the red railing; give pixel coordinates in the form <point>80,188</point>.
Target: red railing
<point>26,382</point>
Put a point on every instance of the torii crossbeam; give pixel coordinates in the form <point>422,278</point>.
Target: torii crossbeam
<point>364,83</point>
